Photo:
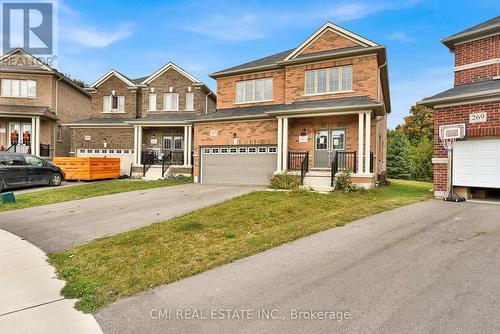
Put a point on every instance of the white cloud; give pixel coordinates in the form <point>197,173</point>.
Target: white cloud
<point>399,36</point>
<point>260,22</point>
<point>93,38</point>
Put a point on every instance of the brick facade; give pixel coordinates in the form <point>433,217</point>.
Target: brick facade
<point>67,102</point>
<point>116,138</point>
<point>329,40</point>
<point>113,83</point>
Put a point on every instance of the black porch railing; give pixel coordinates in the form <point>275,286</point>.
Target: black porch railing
<point>19,148</point>
<point>170,158</point>
<point>299,161</point>
<point>148,159</point>
<point>44,150</point>
<point>347,161</point>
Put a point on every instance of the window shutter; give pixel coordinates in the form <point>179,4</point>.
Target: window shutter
<point>106,104</point>
<point>121,103</point>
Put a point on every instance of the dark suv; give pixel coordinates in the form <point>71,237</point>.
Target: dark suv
<point>24,170</point>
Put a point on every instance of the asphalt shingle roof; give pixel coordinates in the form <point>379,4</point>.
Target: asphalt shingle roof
<point>269,60</point>
<point>98,121</point>
<point>168,117</point>
<point>466,89</point>
<point>479,29</point>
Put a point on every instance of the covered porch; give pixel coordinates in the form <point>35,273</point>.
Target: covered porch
<point>320,146</point>
<point>28,130</point>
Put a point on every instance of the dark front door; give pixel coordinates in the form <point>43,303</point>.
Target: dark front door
<point>326,144</point>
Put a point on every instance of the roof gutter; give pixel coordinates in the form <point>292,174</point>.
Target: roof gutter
<point>339,109</point>
<point>486,93</point>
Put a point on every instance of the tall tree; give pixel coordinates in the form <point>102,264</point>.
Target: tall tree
<point>420,123</point>
<point>399,159</point>
<point>78,82</point>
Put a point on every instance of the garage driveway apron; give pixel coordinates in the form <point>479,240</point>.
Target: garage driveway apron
<point>60,226</point>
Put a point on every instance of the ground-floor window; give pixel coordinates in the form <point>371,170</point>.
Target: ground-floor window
<point>20,133</point>
<point>172,143</point>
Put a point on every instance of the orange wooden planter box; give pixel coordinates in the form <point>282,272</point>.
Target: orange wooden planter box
<point>87,169</point>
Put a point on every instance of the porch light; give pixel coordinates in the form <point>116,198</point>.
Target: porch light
<point>104,143</point>
<point>303,133</point>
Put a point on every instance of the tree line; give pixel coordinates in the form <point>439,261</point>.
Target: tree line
<point>410,146</point>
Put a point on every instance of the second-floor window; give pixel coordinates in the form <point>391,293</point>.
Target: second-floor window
<point>329,80</point>
<point>190,101</point>
<point>18,88</point>
<point>171,101</point>
<point>254,90</point>
<point>113,103</point>
<point>152,101</point>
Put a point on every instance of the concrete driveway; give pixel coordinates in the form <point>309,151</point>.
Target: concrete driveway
<point>59,226</point>
<point>431,267</point>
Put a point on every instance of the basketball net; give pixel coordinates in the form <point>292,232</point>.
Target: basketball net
<point>449,144</point>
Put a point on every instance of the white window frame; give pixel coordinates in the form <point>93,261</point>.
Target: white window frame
<point>272,150</point>
<point>254,149</point>
<point>328,74</point>
<point>170,96</point>
<point>189,107</point>
<point>242,150</point>
<point>241,88</point>
<point>224,150</point>
<point>233,150</point>
<point>206,150</point>
<point>262,150</point>
<point>215,150</point>
<point>152,101</point>
<point>107,104</point>
<point>7,89</point>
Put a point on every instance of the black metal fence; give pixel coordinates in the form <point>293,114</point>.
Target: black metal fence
<point>44,150</point>
<point>295,160</point>
<point>343,161</point>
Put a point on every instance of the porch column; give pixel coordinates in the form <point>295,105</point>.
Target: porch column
<point>361,116</point>
<point>280,145</point>
<point>285,143</point>
<point>32,136</point>
<point>190,144</point>
<point>136,150</point>
<point>37,136</point>
<point>186,130</point>
<point>139,145</point>
<point>367,145</point>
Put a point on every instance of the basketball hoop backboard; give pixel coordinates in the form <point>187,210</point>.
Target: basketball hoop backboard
<point>452,131</point>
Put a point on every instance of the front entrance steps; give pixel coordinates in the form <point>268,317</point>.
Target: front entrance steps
<point>153,173</point>
<point>318,180</point>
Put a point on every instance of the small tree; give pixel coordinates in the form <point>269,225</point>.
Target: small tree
<point>420,123</point>
<point>399,159</point>
<point>422,158</point>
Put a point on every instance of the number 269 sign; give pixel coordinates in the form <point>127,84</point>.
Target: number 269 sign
<point>477,117</point>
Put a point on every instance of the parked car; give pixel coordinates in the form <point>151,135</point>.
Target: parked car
<point>23,170</point>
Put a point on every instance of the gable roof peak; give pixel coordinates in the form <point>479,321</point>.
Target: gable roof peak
<point>110,73</point>
<point>166,67</point>
<point>329,26</point>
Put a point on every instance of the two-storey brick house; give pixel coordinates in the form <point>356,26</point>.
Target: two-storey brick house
<point>144,120</point>
<point>319,106</point>
<point>35,101</point>
<point>475,102</point>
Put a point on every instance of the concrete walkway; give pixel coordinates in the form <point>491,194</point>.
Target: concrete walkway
<point>60,226</point>
<point>430,267</point>
<point>30,301</point>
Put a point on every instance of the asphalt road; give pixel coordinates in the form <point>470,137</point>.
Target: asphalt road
<point>60,226</point>
<point>431,267</point>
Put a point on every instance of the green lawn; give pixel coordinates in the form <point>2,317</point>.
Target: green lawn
<point>104,270</point>
<point>91,189</point>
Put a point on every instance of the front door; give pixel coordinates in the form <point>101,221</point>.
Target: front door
<point>20,133</point>
<point>326,144</point>
<point>173,144</point>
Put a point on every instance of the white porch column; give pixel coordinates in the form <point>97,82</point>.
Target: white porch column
<point>367,145</point>
<point>32,136</point>
<point>285,143</point>
<point>139,145</point>
<point>136,150</point>
<point>280,145</point>
<point>190,144</point>
<point>361,116</point>
<point>37,136</point>
<point>185,161</point>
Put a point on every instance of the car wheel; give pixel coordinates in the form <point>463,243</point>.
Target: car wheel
<point>56,179</point>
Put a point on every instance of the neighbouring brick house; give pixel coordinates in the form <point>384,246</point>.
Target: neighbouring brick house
<point>474,101</point>
<point>319,106</point>
<point>143,121</point>
<point>35,101</point>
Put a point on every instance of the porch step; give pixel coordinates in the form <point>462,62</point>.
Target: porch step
<point>153,173</point>
<point>318,181</point>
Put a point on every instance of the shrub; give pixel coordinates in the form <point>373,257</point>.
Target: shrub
<point>285,181</point>
<point>343,182</point>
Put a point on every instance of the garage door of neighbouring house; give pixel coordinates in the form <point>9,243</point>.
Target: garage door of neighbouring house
<point>126,156</point>
<point>252,165</point>
<point>476,163</point>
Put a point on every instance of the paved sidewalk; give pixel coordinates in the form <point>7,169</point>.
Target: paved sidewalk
<point>30,300</point>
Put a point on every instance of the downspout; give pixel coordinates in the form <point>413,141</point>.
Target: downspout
<point>206,102</point>
<point>57,112</point>
<point>379,80</point>
<point>378,120</point>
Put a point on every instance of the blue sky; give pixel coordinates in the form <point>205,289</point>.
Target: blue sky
<point>138,37</point>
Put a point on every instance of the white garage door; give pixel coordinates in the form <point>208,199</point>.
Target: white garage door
<point>126,156</point>
<point>476,163</point>
<point>252,165</point>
